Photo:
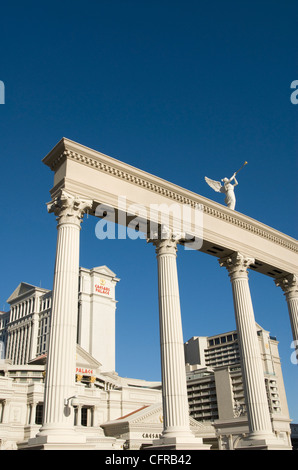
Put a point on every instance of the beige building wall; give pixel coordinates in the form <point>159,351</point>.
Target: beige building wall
<point>224,392</point>
<point>220,369</point>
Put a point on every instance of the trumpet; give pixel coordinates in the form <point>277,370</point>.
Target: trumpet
<point>245,163</point>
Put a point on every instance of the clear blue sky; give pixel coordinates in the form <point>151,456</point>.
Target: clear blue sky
<point>181,89</point>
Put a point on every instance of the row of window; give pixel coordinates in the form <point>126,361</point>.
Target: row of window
<point>202,396</point>
<point>22,309</point>
<point>4,319</point>
<point>27,307</point>
<point>45,303</point>
<point>19,341</point>
<point>85,420</point>
<point>222,339</point>
<point>43,335</point>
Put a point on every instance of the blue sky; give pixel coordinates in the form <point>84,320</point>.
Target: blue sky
<point>182,90</point>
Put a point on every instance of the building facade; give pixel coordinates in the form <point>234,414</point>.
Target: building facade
<point>216,390</point>
<point>96,314</point>
<point>116,412</point>
<point>24,330</point>
<point>101,395</point>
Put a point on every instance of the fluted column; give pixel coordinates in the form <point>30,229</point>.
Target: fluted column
<point>33,413</point>
<point>7,349</point>
<point>33,335</point>
<point>174,390</point>
<point>289,285</point>
<point>61,361</point>
<point>251,362</point>
<point>5,415</point>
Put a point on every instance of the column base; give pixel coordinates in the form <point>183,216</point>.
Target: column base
<point>93,439</point>
<point>183,442</point>
<point>56,446</point>
<point>263,442</point>
<point>56,438</point>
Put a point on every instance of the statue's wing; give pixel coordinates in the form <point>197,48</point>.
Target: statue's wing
<point>216,185</point>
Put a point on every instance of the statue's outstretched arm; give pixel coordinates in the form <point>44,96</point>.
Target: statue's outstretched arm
<point>236,182</point>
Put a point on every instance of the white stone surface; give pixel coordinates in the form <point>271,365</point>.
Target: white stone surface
<point>58,425</point>
<point>176,433</point>
<point>93,175</point>
<point>260,428</point>
<point>289,284</point>
<point>97,312</point>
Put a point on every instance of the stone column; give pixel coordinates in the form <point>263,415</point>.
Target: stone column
<point>260,429</point>
<point>7,349</point>
<point>58,420</point>
<point>21,346</point>
<point>33,413</point>
<point>79,415</point>
<point>289,285</point>
<point>176,433</point>
<point>6,410</point>
<point>33,335</point>
<point>9,345</point>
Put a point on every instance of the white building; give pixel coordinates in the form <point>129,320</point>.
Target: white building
<point>101,394</point>
<point>96,317</point>
<point>24,331</point>
<point>216,391</point>
<point>116,412</point>
<point>100,397</point>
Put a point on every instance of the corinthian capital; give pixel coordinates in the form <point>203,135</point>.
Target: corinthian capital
<point>289,284</point>
<point>68,208</point>
<point>236,264</point>
<point>166,242</point>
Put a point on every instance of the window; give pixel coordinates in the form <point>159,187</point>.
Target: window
<point>2,404</point>
<point>87,416</point>
<point>84,416</point>
<point>39,413</point>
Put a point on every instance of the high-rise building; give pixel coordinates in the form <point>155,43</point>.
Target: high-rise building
<point>215,385</point>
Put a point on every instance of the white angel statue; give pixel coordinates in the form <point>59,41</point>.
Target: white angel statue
<point>227,188</point>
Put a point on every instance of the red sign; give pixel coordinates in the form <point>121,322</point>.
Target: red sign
<point>84,371</point>
<point>101,289</point>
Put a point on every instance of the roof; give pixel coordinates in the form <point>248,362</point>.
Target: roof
<point>151,416</point>
<point>23,289</point>
<point>83,359</point>
<point>39,360</point>
<point>133,412</point>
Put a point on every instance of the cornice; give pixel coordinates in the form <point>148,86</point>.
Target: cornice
<point>67,149</point>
